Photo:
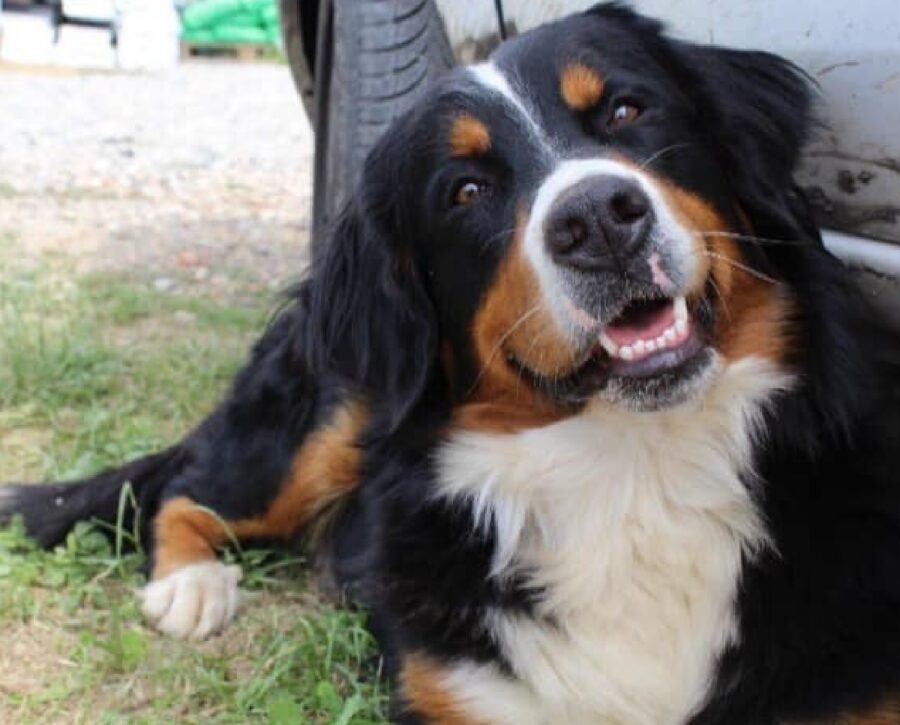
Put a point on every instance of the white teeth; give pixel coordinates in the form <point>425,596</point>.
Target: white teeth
<point>681,312</point>
<point>608,344</point>
<point>671,337</point>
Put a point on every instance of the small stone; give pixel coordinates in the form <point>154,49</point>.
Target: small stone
<point>201,273</point>
<point>163,284</point>
<point>188,259</point>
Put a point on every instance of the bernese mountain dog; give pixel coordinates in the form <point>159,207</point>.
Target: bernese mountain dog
<point>575,404</point>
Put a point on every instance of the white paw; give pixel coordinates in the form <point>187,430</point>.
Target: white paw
<point>194,601</point>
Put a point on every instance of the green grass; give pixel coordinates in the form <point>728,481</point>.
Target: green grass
<point>110,367</point>
<point>93,372</point>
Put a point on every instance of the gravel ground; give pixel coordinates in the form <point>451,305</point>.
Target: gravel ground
<point>196,178</point>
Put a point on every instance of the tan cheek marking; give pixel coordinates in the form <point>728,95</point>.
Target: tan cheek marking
<point>513,318</point>
<point>697,215</point>
<point>759,328</point>
<point>324,469</point>
<point>580,87</point>
<point>752,312</point>
<point>425,695</point>
<point>469,137</point>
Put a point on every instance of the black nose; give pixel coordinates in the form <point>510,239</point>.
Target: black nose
<point>599,222</point>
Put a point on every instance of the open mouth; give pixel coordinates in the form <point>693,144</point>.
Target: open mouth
<point>649,349</point>
<point>649,337</point>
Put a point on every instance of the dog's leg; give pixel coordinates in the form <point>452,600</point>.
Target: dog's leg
<point>193,594</point>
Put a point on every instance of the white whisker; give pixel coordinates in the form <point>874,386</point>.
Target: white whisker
<point>662,152</point>
<point>719,294</point>
<point>743,267</point>
<point>512,328</point>
<point>750,238</point>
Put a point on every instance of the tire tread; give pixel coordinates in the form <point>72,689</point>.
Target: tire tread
<point>385,54</point>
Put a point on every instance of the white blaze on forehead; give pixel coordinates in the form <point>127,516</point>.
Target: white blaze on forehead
<point>669,237</point>
<point>491,77</point>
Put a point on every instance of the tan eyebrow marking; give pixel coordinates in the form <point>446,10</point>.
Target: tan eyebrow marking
<point>580,86</point>
<point>469,136</point>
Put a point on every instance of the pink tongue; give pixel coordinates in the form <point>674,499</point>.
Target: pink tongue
<point>648,326</point>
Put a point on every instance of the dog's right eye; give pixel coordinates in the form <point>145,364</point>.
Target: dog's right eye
<point>467,191</point>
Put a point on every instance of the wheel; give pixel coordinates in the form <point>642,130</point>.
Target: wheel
<point>298,30</point>
<point>374,59</point>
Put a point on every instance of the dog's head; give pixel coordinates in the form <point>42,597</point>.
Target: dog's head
<point>583,217</point>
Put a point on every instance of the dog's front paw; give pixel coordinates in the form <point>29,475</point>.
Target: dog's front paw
<point>194,601</point>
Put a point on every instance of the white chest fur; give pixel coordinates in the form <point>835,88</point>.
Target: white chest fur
<point>634,524</point>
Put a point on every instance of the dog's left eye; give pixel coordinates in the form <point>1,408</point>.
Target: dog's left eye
<point>623,114</point>
<point>468,191</point>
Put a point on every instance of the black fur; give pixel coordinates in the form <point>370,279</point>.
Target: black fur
<point>403,275</point>
<point>49,511</point>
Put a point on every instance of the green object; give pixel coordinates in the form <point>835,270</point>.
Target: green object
<point>231,22</point>
<point>239,34</point>
<point>268,14</point>
<point>242,19</point>
<point>211,13</point>
<point>207,13</point>
<point>197,36</point>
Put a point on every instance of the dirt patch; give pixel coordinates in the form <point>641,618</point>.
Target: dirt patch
<point>20,454</point>
<point>138,173</point>
<point>30,662</point>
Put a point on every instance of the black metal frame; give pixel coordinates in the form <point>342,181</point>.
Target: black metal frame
<point>59,19</point>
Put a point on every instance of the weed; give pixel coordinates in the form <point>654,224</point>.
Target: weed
<point>92,373</point>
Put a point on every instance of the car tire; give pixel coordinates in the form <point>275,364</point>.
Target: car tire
<point>296,40</point>
<point>374,58</point>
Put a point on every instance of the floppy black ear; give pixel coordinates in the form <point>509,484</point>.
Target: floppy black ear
<point>370,321</point>
<point>758,108</point>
